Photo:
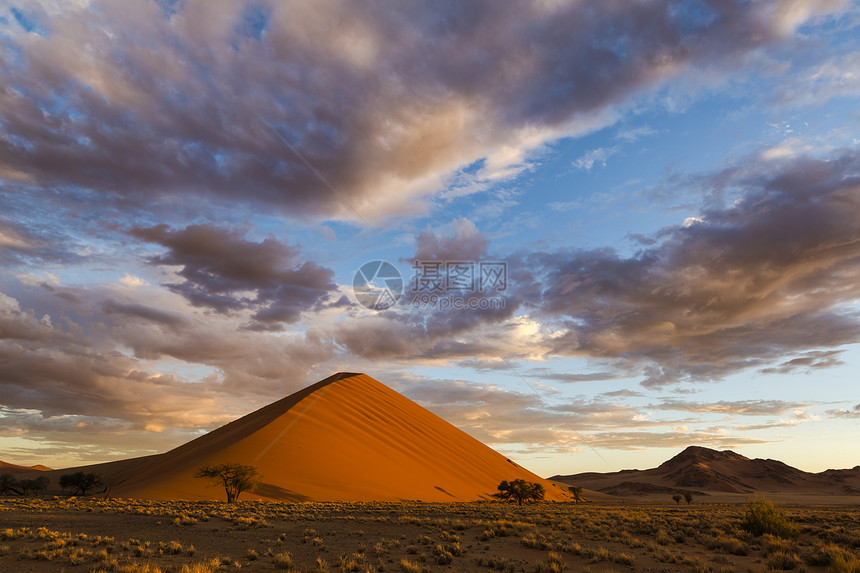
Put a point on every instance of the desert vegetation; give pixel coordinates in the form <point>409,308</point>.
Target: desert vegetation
<point>80,483</point>
<point>520,491</point>
<point>102,535</point>
<point>10,485</point>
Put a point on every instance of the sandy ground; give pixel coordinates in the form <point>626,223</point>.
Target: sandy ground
<point>133,536</point>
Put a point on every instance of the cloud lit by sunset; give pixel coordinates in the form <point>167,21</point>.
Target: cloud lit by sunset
<point>654,207</point>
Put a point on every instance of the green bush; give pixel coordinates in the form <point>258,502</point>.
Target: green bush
<point>762,517</point>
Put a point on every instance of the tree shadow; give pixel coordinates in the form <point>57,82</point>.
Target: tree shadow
<point>278,493</point>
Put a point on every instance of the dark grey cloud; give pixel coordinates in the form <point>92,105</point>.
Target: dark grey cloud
<point>225,272</point>
<point>142,105</point>
<point>770,277</point>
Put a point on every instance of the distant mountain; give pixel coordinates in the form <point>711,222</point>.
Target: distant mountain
<point>345,438</point>
<point>701,470</point>
<point>7,468</point>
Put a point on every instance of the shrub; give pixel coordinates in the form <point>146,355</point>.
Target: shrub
<point>553,564</point>
<point>762,517</point>
<point>411,567</point>
<point>782,561</point>
<point>283,560</point>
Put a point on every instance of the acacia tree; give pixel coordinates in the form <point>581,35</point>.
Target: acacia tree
<point>79,482</point>
<point>8,484</point>
<point>235,478</point>
<point>520,490</point>
<point>677,498</point>
<point>34,486</point>
<point>688,497</point>
<point>577,494</point>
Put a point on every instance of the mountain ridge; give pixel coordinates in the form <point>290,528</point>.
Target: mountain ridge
<point>706,470</point>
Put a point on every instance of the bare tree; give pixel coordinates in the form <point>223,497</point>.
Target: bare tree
<point>79,482</point>
<point>235,478</point>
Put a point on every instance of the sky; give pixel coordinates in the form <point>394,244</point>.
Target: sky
<point>588,233</point>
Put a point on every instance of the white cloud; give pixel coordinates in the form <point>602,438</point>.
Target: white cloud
<point>595,156</point>
<point>132,281</point>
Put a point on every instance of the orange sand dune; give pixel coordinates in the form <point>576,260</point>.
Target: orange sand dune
<point>7,468</point>
<point>346,438</point>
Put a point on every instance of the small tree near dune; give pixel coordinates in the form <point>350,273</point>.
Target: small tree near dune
<point>520,490</point>
<point>235,478</point>
<point>35,486</point>
<point>688,497</point>
<point>79,482</point>
<point>577,494</point>
<point>677,497</point>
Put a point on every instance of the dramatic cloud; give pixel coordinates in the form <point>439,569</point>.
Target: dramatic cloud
<point>772,275</point>
<point>221,268</point>
<point>142,102</point>
<point>92,358</point>
<point>188,188</point>
<point>465,243</point>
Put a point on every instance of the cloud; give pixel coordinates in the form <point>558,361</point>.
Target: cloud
<point>225,272</point>
<point>809,362</point>
<point>132,281</point>
<point>285,106</point>
<point>843,413</point>
<point>92,358</point>
<point>737,407</point>
<point>837,76</point>
<point>634,133</point>
<point>465,243</point>
<point>595,156</point>
<point>771,276</point>
<point>640,440</point>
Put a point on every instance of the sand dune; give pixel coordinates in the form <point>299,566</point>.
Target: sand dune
<point>704,471</point>
<point>346,438</point>
<point>7,468</point>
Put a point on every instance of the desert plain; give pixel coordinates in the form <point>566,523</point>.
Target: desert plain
<point>57,534</point>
